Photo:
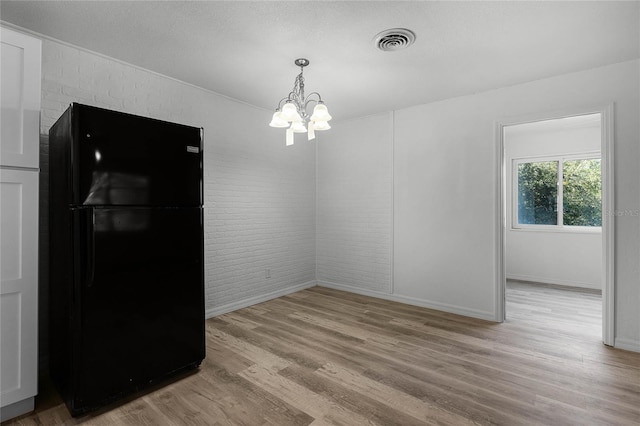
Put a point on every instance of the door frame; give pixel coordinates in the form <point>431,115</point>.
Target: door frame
<point>608,209</point>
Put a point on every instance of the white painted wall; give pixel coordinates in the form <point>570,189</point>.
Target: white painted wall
<point>355,204</point>
<point>451,259</point>
<point>554,257</point>
<point>259,194</point>
<point>446,190</point>
<point>445,205</point>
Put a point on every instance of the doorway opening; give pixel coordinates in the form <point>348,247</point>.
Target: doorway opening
<point>556,230</point>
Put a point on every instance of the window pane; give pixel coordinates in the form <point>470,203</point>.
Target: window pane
<point>582,193</point>
<point>538,193</point>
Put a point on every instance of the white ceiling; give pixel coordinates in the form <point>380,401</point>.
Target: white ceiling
<point>555,124</point>
<point>246,50</point>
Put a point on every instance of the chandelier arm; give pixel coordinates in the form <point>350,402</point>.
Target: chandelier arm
<point>308,99</point>
<point>296,98</point>
<point>317,94</point>
<point>280,103</point>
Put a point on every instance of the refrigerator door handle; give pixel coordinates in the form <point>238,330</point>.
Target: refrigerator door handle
<point>91,248</point>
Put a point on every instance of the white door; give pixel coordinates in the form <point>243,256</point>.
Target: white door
<point>18,284</point>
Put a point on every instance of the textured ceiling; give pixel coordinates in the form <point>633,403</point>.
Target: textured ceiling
<point>245,50</point>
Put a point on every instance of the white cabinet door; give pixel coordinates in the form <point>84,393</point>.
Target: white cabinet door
<point>20,100</point>
<point>18,284</point>
<point>19,151</point>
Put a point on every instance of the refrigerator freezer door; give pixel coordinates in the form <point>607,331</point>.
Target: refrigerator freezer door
<point>141,299</point>
<point>123,159</point>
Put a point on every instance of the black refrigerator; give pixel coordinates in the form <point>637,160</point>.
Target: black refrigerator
<point>126,254</point>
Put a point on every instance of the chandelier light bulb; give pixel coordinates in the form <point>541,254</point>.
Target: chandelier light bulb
<point>320,113</point>
<point>278,121</point>
<point>290,112</point>
<point>321,125</point>
<point>298,127</point>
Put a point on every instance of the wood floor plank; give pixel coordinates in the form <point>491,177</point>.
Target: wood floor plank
<point>239,321</point>
<point>325,357</point>
<point>393,398</point>
<point>355,401</point>
<point>247,350</point>
<point>240,402</point>
<point>302,398</point>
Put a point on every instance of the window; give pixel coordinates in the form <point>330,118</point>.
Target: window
<point>538,193</point>
<point>540,201</point>
<point>582,193</point>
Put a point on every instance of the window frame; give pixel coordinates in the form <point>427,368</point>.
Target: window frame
<point>560,159</point>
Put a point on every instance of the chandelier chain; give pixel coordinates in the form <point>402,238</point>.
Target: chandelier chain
<point>297,94</point>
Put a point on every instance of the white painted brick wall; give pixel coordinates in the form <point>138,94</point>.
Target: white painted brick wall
<point>259,194</point>
<point>355,203</point>
<point>263,217</point>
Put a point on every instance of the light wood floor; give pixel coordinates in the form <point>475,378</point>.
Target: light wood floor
<point>325,357</point>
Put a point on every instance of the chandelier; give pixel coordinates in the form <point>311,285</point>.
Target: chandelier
<point>293,114</point>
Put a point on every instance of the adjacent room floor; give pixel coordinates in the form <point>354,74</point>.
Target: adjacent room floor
<point>574,313</point>
<point>321,356</point>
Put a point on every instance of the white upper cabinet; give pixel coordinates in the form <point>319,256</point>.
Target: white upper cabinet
<point>20,99</point>
<point>19,150</point>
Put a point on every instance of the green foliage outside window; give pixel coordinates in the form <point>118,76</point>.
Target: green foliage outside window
<point>581,193</point>
<point>538,193</point>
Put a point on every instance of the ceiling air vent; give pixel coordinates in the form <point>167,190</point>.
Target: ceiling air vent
<point>394,39</point>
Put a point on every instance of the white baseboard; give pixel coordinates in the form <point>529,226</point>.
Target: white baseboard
<point>620,343</point>
<point>627,344</point>
<point>546,280</point>
<point>234,306</point>
<point>473,313</point>
<point>17,409</point>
